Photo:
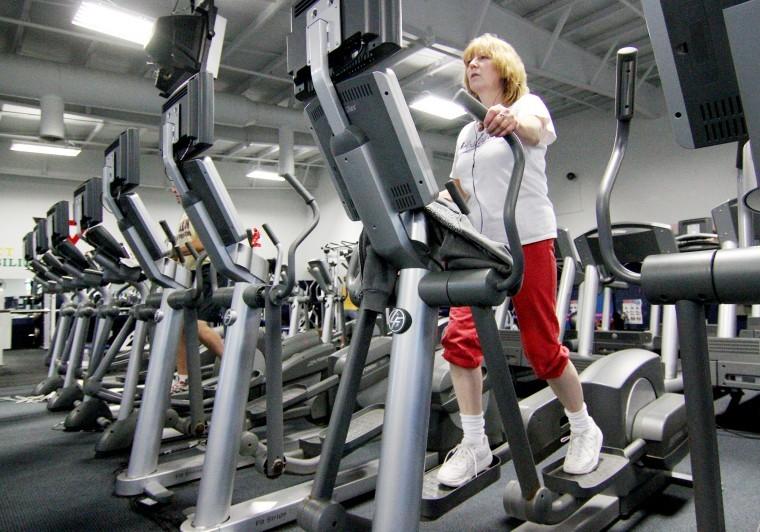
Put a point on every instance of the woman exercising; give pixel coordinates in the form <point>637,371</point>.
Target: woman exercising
<point>495,75</point>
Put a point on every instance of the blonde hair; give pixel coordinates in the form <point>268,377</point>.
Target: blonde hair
<point>508,64</point>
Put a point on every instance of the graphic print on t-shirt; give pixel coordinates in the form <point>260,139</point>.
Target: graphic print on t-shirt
<point>470,145</point>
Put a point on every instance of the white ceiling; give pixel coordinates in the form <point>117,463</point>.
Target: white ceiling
<point>568,47</point>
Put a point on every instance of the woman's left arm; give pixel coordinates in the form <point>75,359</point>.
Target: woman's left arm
<point>529,129</point>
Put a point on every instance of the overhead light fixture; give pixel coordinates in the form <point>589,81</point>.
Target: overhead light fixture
<point>45,149</point>
<point>265,174</point>
<point>114,21</point>
<point>440,107</point>
<point>24,111</point>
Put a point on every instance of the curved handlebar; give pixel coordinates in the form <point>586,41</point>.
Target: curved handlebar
<point>280,291</point>
<point>478,111</point>
<point>270,233</point>
<point>626,78</point>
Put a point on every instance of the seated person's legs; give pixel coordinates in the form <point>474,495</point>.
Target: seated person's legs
<point>179,384</point>
<point>210,338</point>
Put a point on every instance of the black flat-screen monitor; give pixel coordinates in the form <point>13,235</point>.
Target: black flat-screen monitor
<point>125,155</point>
<point>194,105</point>
<point>177,48</point>
<point>694,60</point>
<point>29,251</point>
<point>41,239</point>
<point>88,204</point>
<point>706,53</point>
<point>58,223</point>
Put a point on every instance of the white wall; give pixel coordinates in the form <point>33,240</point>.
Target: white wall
<point>659,180</point>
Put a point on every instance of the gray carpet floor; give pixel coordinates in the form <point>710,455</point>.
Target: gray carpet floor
<point>22,367</point>
<point>51,481</point>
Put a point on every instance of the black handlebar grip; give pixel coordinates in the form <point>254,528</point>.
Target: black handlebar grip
<point>625,92</point>
<point>471,105</point>
<point>456,195</point>
<point>168,233</point>
<point>299,188</point>
<point>270,234</point>
<point>172,240</point>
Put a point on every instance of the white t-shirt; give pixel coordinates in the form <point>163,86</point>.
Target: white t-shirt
<point>483,164</point>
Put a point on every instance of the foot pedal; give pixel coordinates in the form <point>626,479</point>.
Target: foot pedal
<point>291,395</point>
<point>365,425</point>
<point>155,493</point>
<point>613,468</point>
<point>438,499</point>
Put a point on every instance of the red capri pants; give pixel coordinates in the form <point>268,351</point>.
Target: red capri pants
<point>535,308</point>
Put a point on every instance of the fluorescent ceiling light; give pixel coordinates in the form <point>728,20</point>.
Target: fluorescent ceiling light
<point>46,149</point>
<point>265,174</point>
<point>114,21</point>
<point>23,111</point>
<point>440,107</point>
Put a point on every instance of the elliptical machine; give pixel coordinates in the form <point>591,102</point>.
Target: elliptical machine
<point>359,121</point>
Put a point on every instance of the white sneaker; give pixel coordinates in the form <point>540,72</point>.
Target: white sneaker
<point>179,385</point>
<point>464,462</point>
<point>583,452</point>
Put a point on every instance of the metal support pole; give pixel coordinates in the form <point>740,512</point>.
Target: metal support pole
<point>218,477</point>
<point>655,312</point>
<point>700,417</point>
<point>345,400</point>
<point>133,371</point>
<point>61,335</point>
<point>669,345</point>
<point>155,400</point>
<point>275,423</point>
<point>48,320</point>
<point>407,412</point>
<point>586,323</point>
<point>327,318</point>
<point>606,308</point>
<point>193,359</point>
<point>102,333</point>
<point>81,327</point>
<point>727,312</point>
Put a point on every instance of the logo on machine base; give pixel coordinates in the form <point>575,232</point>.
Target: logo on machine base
<point>399,321</point>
